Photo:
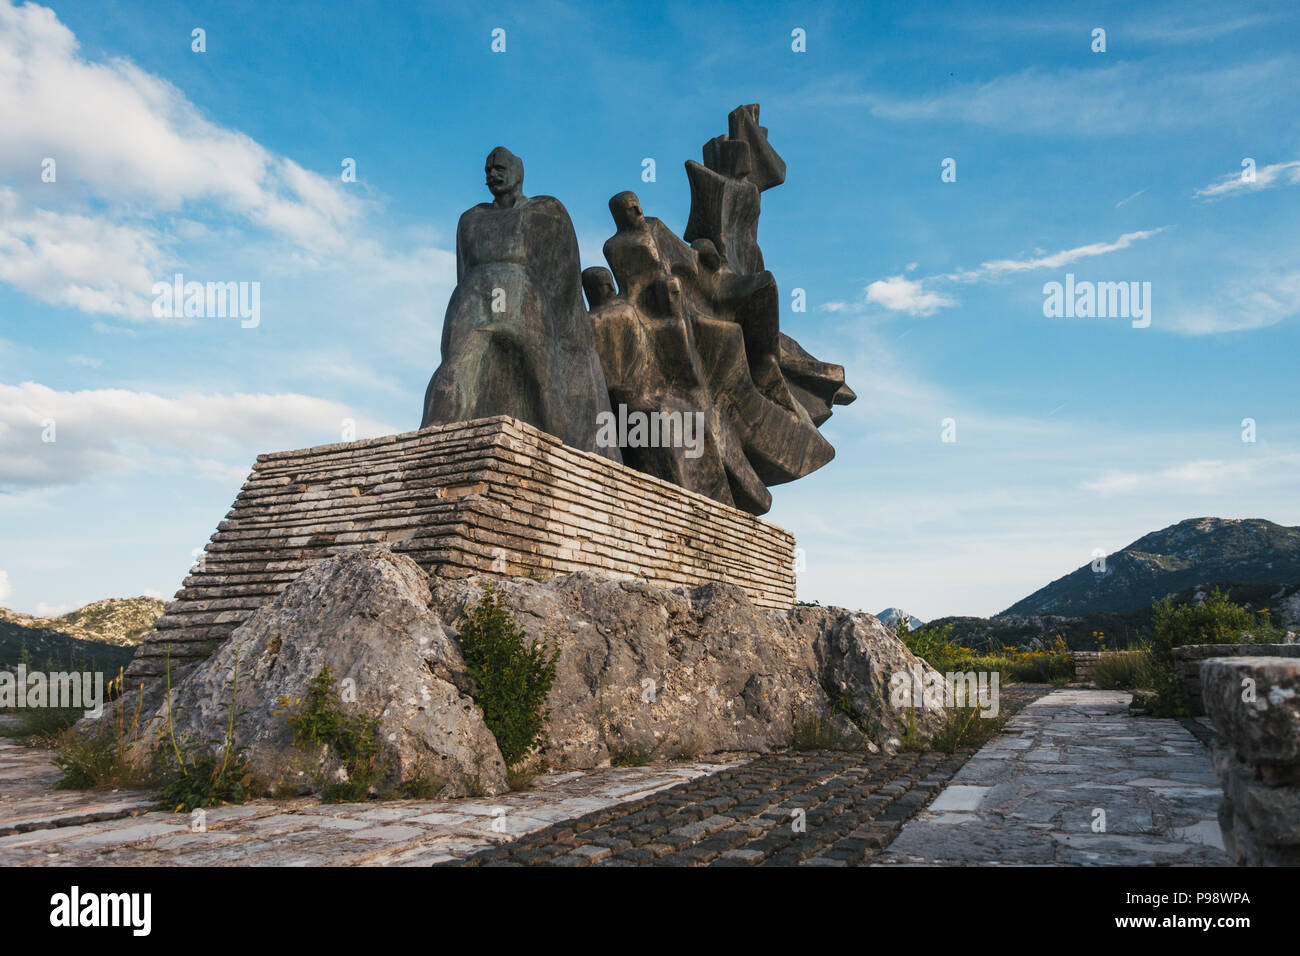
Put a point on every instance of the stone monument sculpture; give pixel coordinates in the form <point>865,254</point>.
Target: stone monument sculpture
<point>697,327</point>
<point>682,331</point>
<point>516,339</point>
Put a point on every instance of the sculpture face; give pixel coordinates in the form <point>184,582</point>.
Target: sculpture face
<point>626,209</point>
<point>598,283</point>
<point>504,172</point>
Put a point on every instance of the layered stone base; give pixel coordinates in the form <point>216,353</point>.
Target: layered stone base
<point>493,496</point>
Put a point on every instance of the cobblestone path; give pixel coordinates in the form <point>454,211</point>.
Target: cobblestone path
<point>821,808</point>
<point>1074,779</point>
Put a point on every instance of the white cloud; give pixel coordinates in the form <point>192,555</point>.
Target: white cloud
<point>105,430</point>
<point>143,160</point>
<point>6,588</point>
<point>85,361</point>
<point>899,294</point>
<point>134,137</point>
<point>1278,174</point>
<point>918,296</point>
<point>1254,302</point>
<point>84,262</point>
<point>1200,475</point>
<point>1127,97</point>
<point>1056,260</point>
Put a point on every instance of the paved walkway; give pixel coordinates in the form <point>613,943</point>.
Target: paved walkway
<point>1030,797</point>
<point>1075,780</point>
<point>42,826</point>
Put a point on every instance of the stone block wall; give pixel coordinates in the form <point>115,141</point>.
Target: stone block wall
<point>1254,703</point>
<point>1187,663</point>
<point>493,496</point>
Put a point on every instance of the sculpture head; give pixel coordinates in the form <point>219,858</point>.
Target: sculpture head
<point>598,283</point>
<point>667,292</point>
<point>505,176</point>
<point>708,253</point>
<point>626,210</point>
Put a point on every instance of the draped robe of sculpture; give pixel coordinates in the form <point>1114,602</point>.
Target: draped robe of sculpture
<point>517,339</point>
<point>696,328</point>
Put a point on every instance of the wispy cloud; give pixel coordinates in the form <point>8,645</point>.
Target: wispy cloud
<point>1201,475</point>
<point>1129,97</point>
<point>919,297</point>
<point>1266,177</point>
<point>1256,301</point>
<point>1056,260</point>
<point>50,437</point>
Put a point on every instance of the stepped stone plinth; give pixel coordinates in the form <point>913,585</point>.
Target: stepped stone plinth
<point>493,496</point>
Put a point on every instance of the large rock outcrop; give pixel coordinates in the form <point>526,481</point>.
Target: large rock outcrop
<point>364,614</point>
<point>668,673</point>
<point>643,673</point>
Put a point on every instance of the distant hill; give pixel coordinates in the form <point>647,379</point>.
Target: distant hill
<point>891,614</point>
<point>102,634</point>
<point>1183,556</point>
<point>1121,628</point>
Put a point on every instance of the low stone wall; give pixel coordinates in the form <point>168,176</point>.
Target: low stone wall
<point>493,496</point>
<point>1254,703</point>
<point>1084,662</point>
<point>1188,659</point>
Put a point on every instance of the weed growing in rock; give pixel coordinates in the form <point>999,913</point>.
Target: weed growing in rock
<point>101,758</point>
<point>321,721</point>
<point>513,677</point>
<point>816,730</point>
<point>965,727</point>
<point>192,774</point>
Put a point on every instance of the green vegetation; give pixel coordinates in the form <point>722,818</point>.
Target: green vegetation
<point>935,645</point>
<point>102,758</point>
<point>513,677</point>
<point>191,774</point>
<point>815,730</point>
<point>321,721</point>
<point>1124,670</point>
<point>1216,620</point>
<point>966,727</point>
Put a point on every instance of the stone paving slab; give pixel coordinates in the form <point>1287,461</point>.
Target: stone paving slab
<point>1033,796</point>
<point>40,826</point>
<point>816,808</point>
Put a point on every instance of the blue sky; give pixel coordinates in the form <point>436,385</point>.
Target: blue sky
<point>1071,433</point>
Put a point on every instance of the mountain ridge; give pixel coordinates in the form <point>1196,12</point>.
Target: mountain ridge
<point>1188,554</point>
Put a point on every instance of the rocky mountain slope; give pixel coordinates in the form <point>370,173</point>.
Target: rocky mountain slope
<point>1186,555</point>
<point>103,634</point>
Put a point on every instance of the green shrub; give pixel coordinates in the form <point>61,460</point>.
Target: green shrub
<point>966,727</point>
<point>320,721</point>
<point>513,676</point>
<point>1216,620</point>
<point>101,758</point>
<point>936,647</point>
<point>1124,670</point>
